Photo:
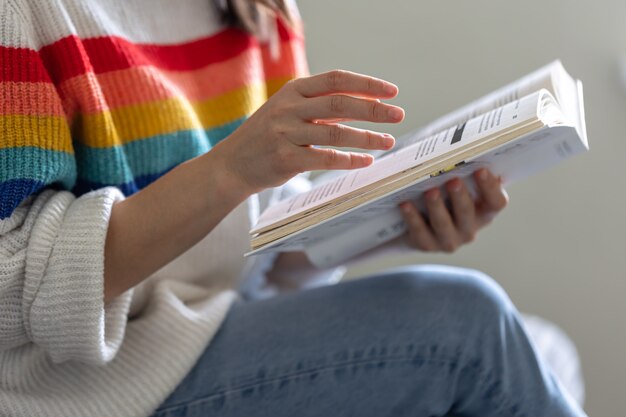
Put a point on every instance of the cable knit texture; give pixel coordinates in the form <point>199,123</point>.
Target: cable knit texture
<point>97,100</point>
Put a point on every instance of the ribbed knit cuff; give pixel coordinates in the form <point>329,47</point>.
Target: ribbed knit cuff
<point>65,263</point>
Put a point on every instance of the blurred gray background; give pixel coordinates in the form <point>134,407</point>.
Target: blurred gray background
<point>559,248</point>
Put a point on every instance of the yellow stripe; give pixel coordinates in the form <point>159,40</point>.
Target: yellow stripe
<point>127,124</point>
<point>46,132</point>
<point>124,125</point>
<point>276,84</point>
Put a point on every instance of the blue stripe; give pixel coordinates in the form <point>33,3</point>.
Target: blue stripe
<point>26,170</point>
<point>147,157</point>
<point>13,192</point>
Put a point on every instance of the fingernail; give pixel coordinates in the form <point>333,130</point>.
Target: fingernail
<point>388,140</point>
<point>406,208</point>
<point>432,195</point>
<point>396,113</point>
<point>390,88</point>
<point>483,175</point>
<point>455,185</point>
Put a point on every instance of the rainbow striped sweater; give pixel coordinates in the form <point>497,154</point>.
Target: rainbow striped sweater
<point>107,95</point>
<point>80,111</point>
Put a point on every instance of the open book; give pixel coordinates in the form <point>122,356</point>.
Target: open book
<point>515,131</point>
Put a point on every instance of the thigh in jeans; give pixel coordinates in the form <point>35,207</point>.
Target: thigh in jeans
<point>428,341</point>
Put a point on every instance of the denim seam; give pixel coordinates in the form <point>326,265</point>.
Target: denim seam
<point>485,376</point>
<point>292,376</point>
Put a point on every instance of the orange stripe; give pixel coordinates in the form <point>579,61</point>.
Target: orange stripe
<point>29,99</point>
<point>138,85</point>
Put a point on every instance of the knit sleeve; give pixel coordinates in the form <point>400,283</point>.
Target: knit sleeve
<point>51,243</point>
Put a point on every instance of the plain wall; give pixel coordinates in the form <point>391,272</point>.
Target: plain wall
<point>558,249</point>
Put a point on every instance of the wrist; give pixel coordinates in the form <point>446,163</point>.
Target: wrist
<point>225,185</point>
<point>227,168</point>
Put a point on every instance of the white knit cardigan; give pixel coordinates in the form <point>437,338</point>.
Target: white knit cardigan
<point>62,351</point>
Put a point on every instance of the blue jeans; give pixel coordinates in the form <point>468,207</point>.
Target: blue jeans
<point>419,341</point>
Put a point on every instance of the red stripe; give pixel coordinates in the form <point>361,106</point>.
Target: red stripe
<point>71,56</point>
<point>21,65</point>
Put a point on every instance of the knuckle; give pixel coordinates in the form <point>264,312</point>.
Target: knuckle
<point>374,110</point>
<point>371,140</point>
<point>335,79</point>
<point>330,158</point>
<point>275,112</point>
<point>279,131</point>
<point>337,104</point>
<point>354,160</point>
<point>336,135</point>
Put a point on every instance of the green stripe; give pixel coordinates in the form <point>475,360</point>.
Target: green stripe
<point>121,164</point>
<point>43,165</point>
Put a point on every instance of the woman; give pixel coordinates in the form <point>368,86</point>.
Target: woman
<point>131,174</point>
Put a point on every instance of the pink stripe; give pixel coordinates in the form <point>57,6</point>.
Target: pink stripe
<point>29,98</point>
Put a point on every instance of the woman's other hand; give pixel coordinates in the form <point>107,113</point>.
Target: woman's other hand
<point>280,140</point>
<point>448,229</point>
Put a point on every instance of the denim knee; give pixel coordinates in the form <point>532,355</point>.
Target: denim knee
<point>464,297</point>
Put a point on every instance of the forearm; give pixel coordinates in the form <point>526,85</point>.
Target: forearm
<point>159,223</point>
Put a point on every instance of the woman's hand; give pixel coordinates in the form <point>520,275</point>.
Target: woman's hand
<point>447,229</point>
<point>277,142</point>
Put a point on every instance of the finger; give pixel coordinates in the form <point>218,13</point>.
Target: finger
<point>492,195</point>
<point>341,136</point>
<point>349,108</point>
<point>440,221</point>
<point>345,82</point>
<point>331,121</point>
<point>318,158</point>
<point>463,209</point>
<point>420,235</point>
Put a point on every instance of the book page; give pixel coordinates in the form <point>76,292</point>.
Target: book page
<point>502,118</point>
<point>541,78</point>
